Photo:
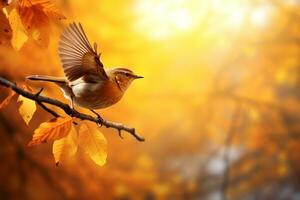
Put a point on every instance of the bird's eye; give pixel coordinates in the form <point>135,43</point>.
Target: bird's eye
<point>127,74</point>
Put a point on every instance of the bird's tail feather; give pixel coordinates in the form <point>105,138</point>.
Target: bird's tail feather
<point>47,78</point>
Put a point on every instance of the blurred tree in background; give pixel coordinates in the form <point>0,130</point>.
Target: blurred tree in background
<point>219,105</point>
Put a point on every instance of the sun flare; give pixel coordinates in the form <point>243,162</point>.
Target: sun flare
<point>163,19</point>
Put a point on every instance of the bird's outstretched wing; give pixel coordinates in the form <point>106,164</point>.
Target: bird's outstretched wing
<point>78,58</point>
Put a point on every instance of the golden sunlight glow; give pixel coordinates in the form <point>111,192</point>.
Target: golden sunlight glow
<point>237,17</point>
<point>163,19</point>
<point>260,15</point>
<point>232,13</point>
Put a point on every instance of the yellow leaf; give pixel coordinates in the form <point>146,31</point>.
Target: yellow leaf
<point>93,142</point>
<point>65,147</point>
<point>27,108</point>
<point>19,36</point>
<point>6,101</point>
<point>53,130</point>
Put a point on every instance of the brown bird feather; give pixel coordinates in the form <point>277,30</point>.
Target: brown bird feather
<point>78,58</point>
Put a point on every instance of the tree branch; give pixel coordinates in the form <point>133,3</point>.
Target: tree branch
<point>40,100</point>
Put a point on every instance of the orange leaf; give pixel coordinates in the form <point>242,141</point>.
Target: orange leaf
<point>5,29</point>
<point>49,8</point>
<point>35,16</point>
<point>11,94</point>
<point>36,13</point>
<point>6,101</point>
<point>53,130</point>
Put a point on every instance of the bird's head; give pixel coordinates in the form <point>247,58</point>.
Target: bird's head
<point>123,77</point>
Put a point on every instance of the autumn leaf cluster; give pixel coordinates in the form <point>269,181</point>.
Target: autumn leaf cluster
<point>24,20</point>
<point>66,133</point>
<point>27,19</point>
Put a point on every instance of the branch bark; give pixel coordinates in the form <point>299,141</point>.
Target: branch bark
<point>40,100</point>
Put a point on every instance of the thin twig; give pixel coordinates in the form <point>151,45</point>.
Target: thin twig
<point>67,109</point>
<point>52,112</point>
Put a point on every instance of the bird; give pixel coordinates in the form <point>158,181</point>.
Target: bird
<point>87,83</point>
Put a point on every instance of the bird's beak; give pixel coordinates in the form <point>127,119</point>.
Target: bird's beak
<point>136,76</point>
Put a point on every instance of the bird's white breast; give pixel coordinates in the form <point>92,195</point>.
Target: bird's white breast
<point>81,88</point>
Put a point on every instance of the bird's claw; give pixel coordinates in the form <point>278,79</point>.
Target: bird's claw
<point>120,134</point>
<point>100,124</point>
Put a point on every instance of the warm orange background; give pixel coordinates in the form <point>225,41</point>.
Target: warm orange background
<point>219,104</point>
